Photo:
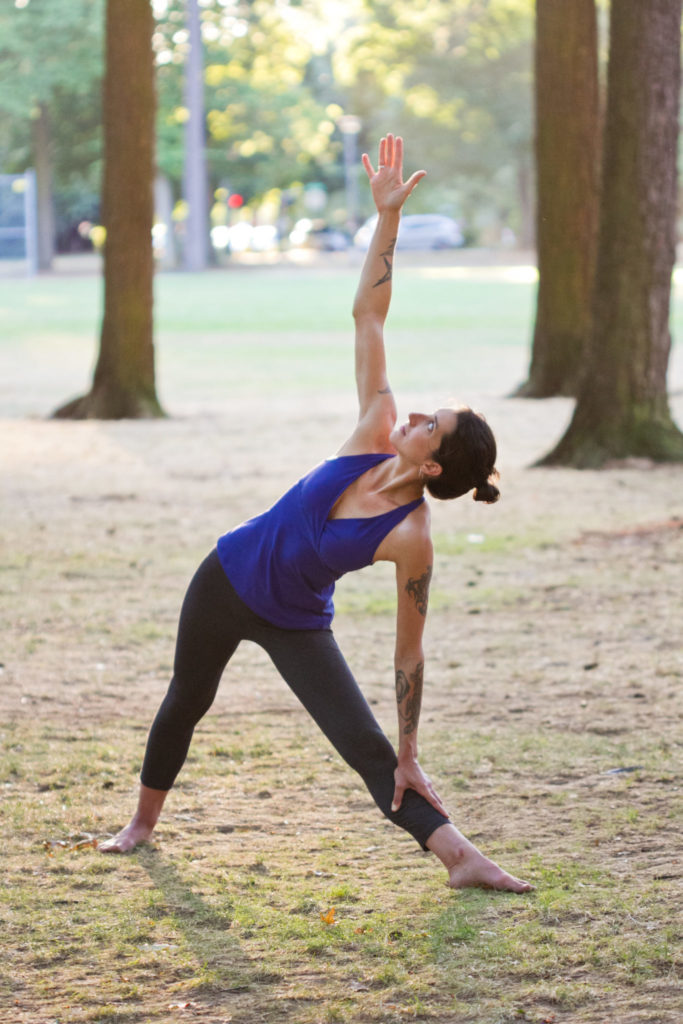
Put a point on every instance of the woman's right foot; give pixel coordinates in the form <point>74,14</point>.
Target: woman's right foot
<point>127,839</point>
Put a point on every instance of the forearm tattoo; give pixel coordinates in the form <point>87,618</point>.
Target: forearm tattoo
<point>386,256</point>
<point>409,697</point>
<point>418,589</point>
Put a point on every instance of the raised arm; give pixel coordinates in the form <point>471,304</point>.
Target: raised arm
<point>377,411</point>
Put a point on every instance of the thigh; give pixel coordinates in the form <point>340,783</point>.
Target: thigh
<point>209,630</point>
<point>315,669</point>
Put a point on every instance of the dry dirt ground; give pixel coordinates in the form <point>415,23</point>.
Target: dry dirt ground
<point>554,660</point>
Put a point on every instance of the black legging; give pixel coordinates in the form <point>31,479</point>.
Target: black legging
<point>213,620</point>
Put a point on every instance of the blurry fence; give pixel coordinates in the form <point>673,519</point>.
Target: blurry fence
<point>18,219</point>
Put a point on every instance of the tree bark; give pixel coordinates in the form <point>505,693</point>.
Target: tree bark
<point>40,131</point>
<point>123,383</point>
<point>567,159</point>
<point>622,408</point>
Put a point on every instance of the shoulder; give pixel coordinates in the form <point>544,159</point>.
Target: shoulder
<point>409,545</point>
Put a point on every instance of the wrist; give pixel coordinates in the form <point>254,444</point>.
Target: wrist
<point>389,214</point>
<point>407,752</point>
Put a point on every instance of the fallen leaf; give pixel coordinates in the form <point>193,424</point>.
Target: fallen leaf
<point>328,918</point>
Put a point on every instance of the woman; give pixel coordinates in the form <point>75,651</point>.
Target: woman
<point>271,579</point>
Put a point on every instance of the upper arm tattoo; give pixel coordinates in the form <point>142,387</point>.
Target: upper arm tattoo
<point>387,257</point>
<point>384,391</point>
<point>418,589</point>
<point>409,697</point>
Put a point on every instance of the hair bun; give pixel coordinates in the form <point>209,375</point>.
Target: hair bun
<point>486,492</point>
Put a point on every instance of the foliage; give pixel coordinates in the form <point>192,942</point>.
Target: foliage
<point>51,54</point>
<point>265,128</point>
<point>455,78</point>
<point>46,46</point>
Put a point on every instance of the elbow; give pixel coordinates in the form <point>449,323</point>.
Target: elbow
<point>361,310</point>
<point>408,655</point>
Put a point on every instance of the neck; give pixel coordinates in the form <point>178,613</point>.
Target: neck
<point>399,480</point>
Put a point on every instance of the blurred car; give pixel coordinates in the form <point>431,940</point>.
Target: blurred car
<point>243,237</point>
<point>417,231</point>
<point>316,234</point>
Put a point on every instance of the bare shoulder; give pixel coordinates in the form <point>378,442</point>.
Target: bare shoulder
<point>409,545</point>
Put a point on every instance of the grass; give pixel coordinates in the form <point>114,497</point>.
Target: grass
<point>217,331</point>
<point>217,924</point>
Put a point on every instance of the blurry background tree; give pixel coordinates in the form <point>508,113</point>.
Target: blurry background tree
<point>455,77</point>
<point>50,68</point>
<point>622,407</point>
<point>123,383</point>
<point>567,173</point>
<point>195,178</point>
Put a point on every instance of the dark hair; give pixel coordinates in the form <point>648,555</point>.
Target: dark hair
<point>467,457</point>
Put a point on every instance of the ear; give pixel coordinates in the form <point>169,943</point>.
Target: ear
<point>431,468</point>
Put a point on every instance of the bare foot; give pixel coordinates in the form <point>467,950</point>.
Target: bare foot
<point>475,870</point>
<point>467,867</point>
<point>127,839</point>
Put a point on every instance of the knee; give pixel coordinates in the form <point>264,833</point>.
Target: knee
<point>371,751</point>
<point>187,702</point>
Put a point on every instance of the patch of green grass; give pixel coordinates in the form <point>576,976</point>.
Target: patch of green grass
<point>216,914</point>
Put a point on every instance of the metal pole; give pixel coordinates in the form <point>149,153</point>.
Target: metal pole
<point>349,126</point>
<point>31,222</point>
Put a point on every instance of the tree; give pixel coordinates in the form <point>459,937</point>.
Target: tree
<point>265,129</point>
<point>49,49</point>
<point>567,166</point>
<point>197,223</point>
<point>622,408</point>
<point>123,383</point>
<point>454,77</point>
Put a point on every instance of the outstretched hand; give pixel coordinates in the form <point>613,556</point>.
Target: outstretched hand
<point>389,191</point>
<point>409,775</point>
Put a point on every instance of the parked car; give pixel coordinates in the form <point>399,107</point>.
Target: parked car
<point>316,234</point>
<point>417,231</point>
<point>243,237</point>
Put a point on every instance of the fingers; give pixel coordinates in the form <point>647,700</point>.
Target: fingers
<point>398,797</point>
<point>435,800</point>
<point>369,169</point>
<point>413,180</point>
<point>398,155</point>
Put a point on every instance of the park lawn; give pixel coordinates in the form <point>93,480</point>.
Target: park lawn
<point>226,332</point>
<point>551,718</point>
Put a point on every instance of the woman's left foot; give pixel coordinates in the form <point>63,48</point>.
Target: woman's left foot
<point>476,871</point>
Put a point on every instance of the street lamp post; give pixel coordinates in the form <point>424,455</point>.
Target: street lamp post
<point>350,125</point>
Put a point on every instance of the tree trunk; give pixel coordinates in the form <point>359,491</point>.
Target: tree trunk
<point>123,384</point>
<point>622,408</point>
<point>40,130</point>
<point>567,158</point>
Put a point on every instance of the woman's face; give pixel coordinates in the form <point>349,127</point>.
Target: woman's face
<point>420,437</point>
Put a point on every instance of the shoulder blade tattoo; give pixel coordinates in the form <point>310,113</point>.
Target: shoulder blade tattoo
<point>387,257</point>
<point>418,588</point>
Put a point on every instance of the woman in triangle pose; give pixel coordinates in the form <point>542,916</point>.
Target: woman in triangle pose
<point>271,579</point>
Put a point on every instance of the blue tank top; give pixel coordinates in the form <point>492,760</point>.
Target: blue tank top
<point>284,562</point>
